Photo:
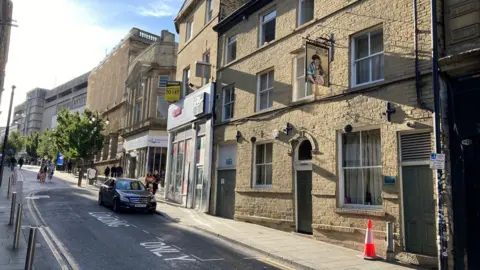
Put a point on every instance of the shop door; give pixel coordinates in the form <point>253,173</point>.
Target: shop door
<point>472,182</point>
<point>419,210</point>
<point>226,193</point>
<point>304,201</point>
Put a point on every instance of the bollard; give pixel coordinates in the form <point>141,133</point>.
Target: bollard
<point>18,227</point>
<point>12,208</point>
<point>31,248</point>
<point>9,187</point>
<point>390,254</point>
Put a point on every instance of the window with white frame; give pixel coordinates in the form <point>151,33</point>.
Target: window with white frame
<point>267,27</point>
<point>209,11</point>
<point>162,81</point>
<point>367,57</point>
<point>206,59</point>
<point>162,107</point>
<point>186,81</point>
<point>140,88</point>
<point>305,11</point>
<point>138,112</point>
<point>189,29</point>
<point>301,88</point>
<point>263,164</point>
<point>228,102</point>
<point>361,168</point>
<point>265,89</point>
<point>231,49</point>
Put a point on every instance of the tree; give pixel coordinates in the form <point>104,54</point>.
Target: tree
<point>31,144</point>
<point>79,136</point>
<point>47,145</point>
<point>15,143</point>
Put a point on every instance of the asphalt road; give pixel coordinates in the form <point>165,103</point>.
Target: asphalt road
<point>93,237</point>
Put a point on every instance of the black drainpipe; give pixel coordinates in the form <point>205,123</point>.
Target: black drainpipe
<point>420,103</point>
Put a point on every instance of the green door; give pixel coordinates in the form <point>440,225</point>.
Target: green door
<point>226,193</point>
<point>304,201</point>
<point>419,210</point>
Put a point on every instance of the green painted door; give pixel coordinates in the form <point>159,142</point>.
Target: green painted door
<point>226,193</point>
<point>304,201</point>
<point>419,210</point>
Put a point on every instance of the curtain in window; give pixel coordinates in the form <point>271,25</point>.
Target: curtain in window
<point>353,176</point>
<point>371,156</point>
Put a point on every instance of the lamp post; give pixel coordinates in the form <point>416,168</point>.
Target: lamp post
<point>5,139</point>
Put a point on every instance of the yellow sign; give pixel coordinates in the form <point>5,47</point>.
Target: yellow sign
<point>173,91</point>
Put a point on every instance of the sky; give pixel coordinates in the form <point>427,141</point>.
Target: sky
<point>59,40</point>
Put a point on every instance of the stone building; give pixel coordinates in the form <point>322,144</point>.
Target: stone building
<point>323,121</point>
<point>107,92</point>
<point>189,120</point>
<point>145,117</point>
<point>71,95</point>
<point>459,65</point>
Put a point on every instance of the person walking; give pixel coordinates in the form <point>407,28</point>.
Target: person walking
<point>107,172</point>
<point>20,162</point>
<point>13,163</point>
<point>113,171</point>
<point>51,168</point>
<point>69,166</point>
<point>149,180</point>
<point>156,177</point>
<point>42,173</point>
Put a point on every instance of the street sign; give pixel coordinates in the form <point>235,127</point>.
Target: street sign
<point>172,93</point>
<point>60,159</point>
<point>437,161</point>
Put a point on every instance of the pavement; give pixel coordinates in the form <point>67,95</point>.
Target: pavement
<point>289,249</point>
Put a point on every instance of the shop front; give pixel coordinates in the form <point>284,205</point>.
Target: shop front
<point>146,152</point>
<point>190,150</point>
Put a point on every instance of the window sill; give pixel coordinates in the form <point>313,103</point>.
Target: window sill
<point>377,212</point>
<point>303,100</point>
<point>366,85</point>
<point>265,189</point>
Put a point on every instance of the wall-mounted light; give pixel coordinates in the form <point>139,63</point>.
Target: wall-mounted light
<point>347,128</point>
<point>253,139</point>
<point>288,127</point>
<point>275,134</point>
<point>238,136</point>
<point>389,110</point>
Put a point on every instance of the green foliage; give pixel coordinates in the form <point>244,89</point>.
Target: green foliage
<point>15,142</point>
<point>31,144</point>
<point>79,136</point>
<point>47,145</point>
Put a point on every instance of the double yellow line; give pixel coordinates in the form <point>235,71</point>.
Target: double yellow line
<point>275,264</point>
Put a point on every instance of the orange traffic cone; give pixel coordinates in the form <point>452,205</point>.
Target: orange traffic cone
<point>369,252</point>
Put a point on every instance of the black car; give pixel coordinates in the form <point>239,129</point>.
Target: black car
<point>126,194</point>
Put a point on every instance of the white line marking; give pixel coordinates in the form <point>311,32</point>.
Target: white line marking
<point>176,247</point>
<point>161,239</point>
<point>63,249</point>
<point>145,232</point>
<point>206,260</point>
<point>134,226</point>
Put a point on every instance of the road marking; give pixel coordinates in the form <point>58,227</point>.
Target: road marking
<point>176,247</point>
<point>54,250</point>
<point>38,197</point>
<point>206,260</point>
<point>276,264</point>
<point>108,219</point>
<point>161,249</point>
<point>145,232</point>
<point>134,226</point>
<point>73,264</point>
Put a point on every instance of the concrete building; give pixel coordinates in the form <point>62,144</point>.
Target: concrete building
<point>145,121</point>
<point>323,122</point>
<point>19,117</point>
<point>107,92</point>
<point>6,9</point>
<point>32,111</point>
<point>189,120</point>
<point>71,95</point>
<point>460,73</point>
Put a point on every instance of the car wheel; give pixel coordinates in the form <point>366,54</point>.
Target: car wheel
<point>116,206</point>
<point>100,199</point>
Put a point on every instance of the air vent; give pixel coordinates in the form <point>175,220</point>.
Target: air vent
<point>415,147</point>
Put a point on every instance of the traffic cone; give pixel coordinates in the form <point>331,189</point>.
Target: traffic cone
<point>369,252</point>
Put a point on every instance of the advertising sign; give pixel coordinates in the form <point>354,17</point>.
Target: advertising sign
<point>59,159</point>
<point>173,91</point>
<point>317,64</point>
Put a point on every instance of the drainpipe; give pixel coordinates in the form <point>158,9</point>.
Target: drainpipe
<point>441,222</point>
<point>420,103</point>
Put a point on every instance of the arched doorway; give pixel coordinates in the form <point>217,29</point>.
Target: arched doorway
<point>303,187</point>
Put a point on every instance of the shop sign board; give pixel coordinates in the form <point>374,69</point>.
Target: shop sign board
<point>173,91</point>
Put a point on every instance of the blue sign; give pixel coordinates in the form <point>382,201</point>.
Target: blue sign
<point>60,159</point>
<point>10,150</point>
<point>389,180</point>
<point>229,161</point>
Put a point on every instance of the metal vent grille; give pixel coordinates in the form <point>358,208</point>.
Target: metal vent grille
<point>416,146</point>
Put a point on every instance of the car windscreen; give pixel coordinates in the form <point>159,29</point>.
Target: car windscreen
<point>129,185</point>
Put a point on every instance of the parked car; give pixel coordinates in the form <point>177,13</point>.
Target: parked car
<point>126,194</point>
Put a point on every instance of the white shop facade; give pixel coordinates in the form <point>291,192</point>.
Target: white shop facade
<point>190,135</point>
<point>145,152</point>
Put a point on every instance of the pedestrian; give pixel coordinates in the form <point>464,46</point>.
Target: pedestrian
<point>119,171</point>
<point>42,173</point>
<point>51,168</point>
<point>149,182</point>
<point>156,178</point>
<point>69,166</point>
<point>13,163</point>
<point>107,172</point>
<point>20,162</point>
<point>113,171</point>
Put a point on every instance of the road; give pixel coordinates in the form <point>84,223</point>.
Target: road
<point>85,235</point>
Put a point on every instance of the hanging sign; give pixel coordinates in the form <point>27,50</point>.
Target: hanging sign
<point>173,91</point>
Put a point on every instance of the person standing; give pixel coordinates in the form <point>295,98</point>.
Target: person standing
<point>13,163</point>
<point>107,172</point>
<point>113,171</point>
<point>119,171</point>
<point>156,178</point>
<point>51,168</point>
<point>20,162</point>
<point>149,180</point>
<point>69,166</point>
